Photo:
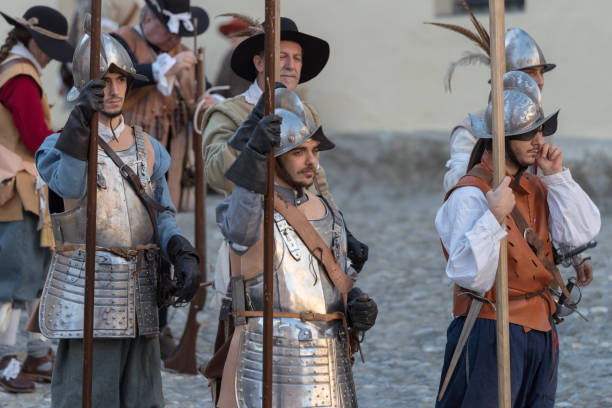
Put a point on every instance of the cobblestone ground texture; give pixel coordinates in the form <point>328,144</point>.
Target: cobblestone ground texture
<point>405,275</point>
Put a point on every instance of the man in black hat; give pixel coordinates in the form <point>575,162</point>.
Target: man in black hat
<point>302,57</point>
<point>25,236</point>
<point>164,106</point>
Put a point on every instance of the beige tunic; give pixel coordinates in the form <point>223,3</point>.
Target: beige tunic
<point>220,122</point>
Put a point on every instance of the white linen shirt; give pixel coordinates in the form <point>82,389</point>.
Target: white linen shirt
<point>471,234</point>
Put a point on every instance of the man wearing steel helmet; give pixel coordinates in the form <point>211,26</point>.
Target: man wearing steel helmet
<point>25,233</point>
<point>315,297</point>
<point>538,210</point>
<point>135,223</point>
<point>522,54</point>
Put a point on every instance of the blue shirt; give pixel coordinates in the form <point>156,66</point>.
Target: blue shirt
<point>67,177</point>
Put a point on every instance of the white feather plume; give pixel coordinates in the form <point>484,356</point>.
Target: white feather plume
<point>469,58</point>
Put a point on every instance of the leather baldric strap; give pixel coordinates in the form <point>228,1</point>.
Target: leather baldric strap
<point>535,243</point>
<point>311,238</point>
<point>132,178</point>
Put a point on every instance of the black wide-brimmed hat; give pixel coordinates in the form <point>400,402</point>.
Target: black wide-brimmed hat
<point>48,28</point>
<point>178,16</point>
<point>315,52</point>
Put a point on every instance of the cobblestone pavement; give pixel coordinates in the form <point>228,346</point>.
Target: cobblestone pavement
<point>405,275</point>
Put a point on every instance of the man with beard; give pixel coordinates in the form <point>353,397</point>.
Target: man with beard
<point>316,303</point>
<point>25,232</point>
<point>537,210</point>
<point>135,223</point>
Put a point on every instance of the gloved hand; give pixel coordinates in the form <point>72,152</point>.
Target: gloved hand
<point>185,260</point>
<point>74,138</point>
<point>250,169</point>
<point>357,251</point>
<point>241,137</point>
<point>362,310</point>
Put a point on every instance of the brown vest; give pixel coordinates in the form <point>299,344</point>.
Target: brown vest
<point>26,196</point>
<point>526,273</point>
<point>147,107</point>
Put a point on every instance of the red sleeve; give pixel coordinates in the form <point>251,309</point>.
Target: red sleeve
<point>21,96</point>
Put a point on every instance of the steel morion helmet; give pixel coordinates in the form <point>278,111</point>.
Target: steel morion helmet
<point>522,109</point>
<point>112,54</point>
<point>523,52</point>
<point>296,127</point>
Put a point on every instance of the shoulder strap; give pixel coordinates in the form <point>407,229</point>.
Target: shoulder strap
<point>314,242</point>
<point>126,171</point>
<point>535,243</point>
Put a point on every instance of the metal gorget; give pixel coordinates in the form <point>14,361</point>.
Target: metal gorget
<point>125,302</point>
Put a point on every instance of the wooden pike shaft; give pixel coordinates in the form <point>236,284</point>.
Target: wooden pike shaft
<point>271,50</point>
<point>498,67</point>
<point>200,188</point>
<point>90,234</point>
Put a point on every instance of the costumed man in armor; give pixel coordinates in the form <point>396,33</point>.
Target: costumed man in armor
<point>164,106</point>
<point>522,54</point>
<point>316,302</point>
<point>25,231</point>
<point>539,210</point>
<point>302,57</point>
<point>135,226</point>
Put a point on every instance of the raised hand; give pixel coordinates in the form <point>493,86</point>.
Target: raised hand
<point>550,159</point>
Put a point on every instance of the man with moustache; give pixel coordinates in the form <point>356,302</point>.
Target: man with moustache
<point>316,305</point>
<point>537,210</point>
<point>135,226</point>
<point>522,54</point>
<point>302,57</point>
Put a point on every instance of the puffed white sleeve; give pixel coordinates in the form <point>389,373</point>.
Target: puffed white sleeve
<point>471,236</point>
<point>573,217</point>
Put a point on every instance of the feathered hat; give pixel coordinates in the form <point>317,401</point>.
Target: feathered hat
<point>521,49</point>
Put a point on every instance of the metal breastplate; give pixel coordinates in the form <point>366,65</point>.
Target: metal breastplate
<point>301,283</point>
<point>125,302</point>
<point>311,365</point>
<point>122,219</point>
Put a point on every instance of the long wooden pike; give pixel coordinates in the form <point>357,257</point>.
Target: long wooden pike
<point>271,51</point>
<point>90,234</point>
<point>498,67</point>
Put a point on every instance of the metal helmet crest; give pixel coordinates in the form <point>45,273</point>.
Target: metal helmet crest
<point>523,52</point>
<point>112,53</point>
<point>296,126</point>
<point>522,109</point>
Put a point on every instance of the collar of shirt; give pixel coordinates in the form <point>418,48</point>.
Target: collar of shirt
<point>252,94</point>
<point>106,133</point>
<point>22,51</point>
<point>290,195</point>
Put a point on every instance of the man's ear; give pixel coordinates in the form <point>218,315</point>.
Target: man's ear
<point>258,61</point>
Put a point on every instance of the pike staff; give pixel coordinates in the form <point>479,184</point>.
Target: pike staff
<point>90,242</point>
<point>271,52</point>
<point>498,67</point>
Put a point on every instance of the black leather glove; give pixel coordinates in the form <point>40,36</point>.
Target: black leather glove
<point>250,169</point>
<point>357,251</point>
<point>74,138</point>
<point>185,260</point>
<point>362,310</point>
<point>241,137</point>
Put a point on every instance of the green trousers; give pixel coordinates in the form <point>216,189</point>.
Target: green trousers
<point>126,374</point>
